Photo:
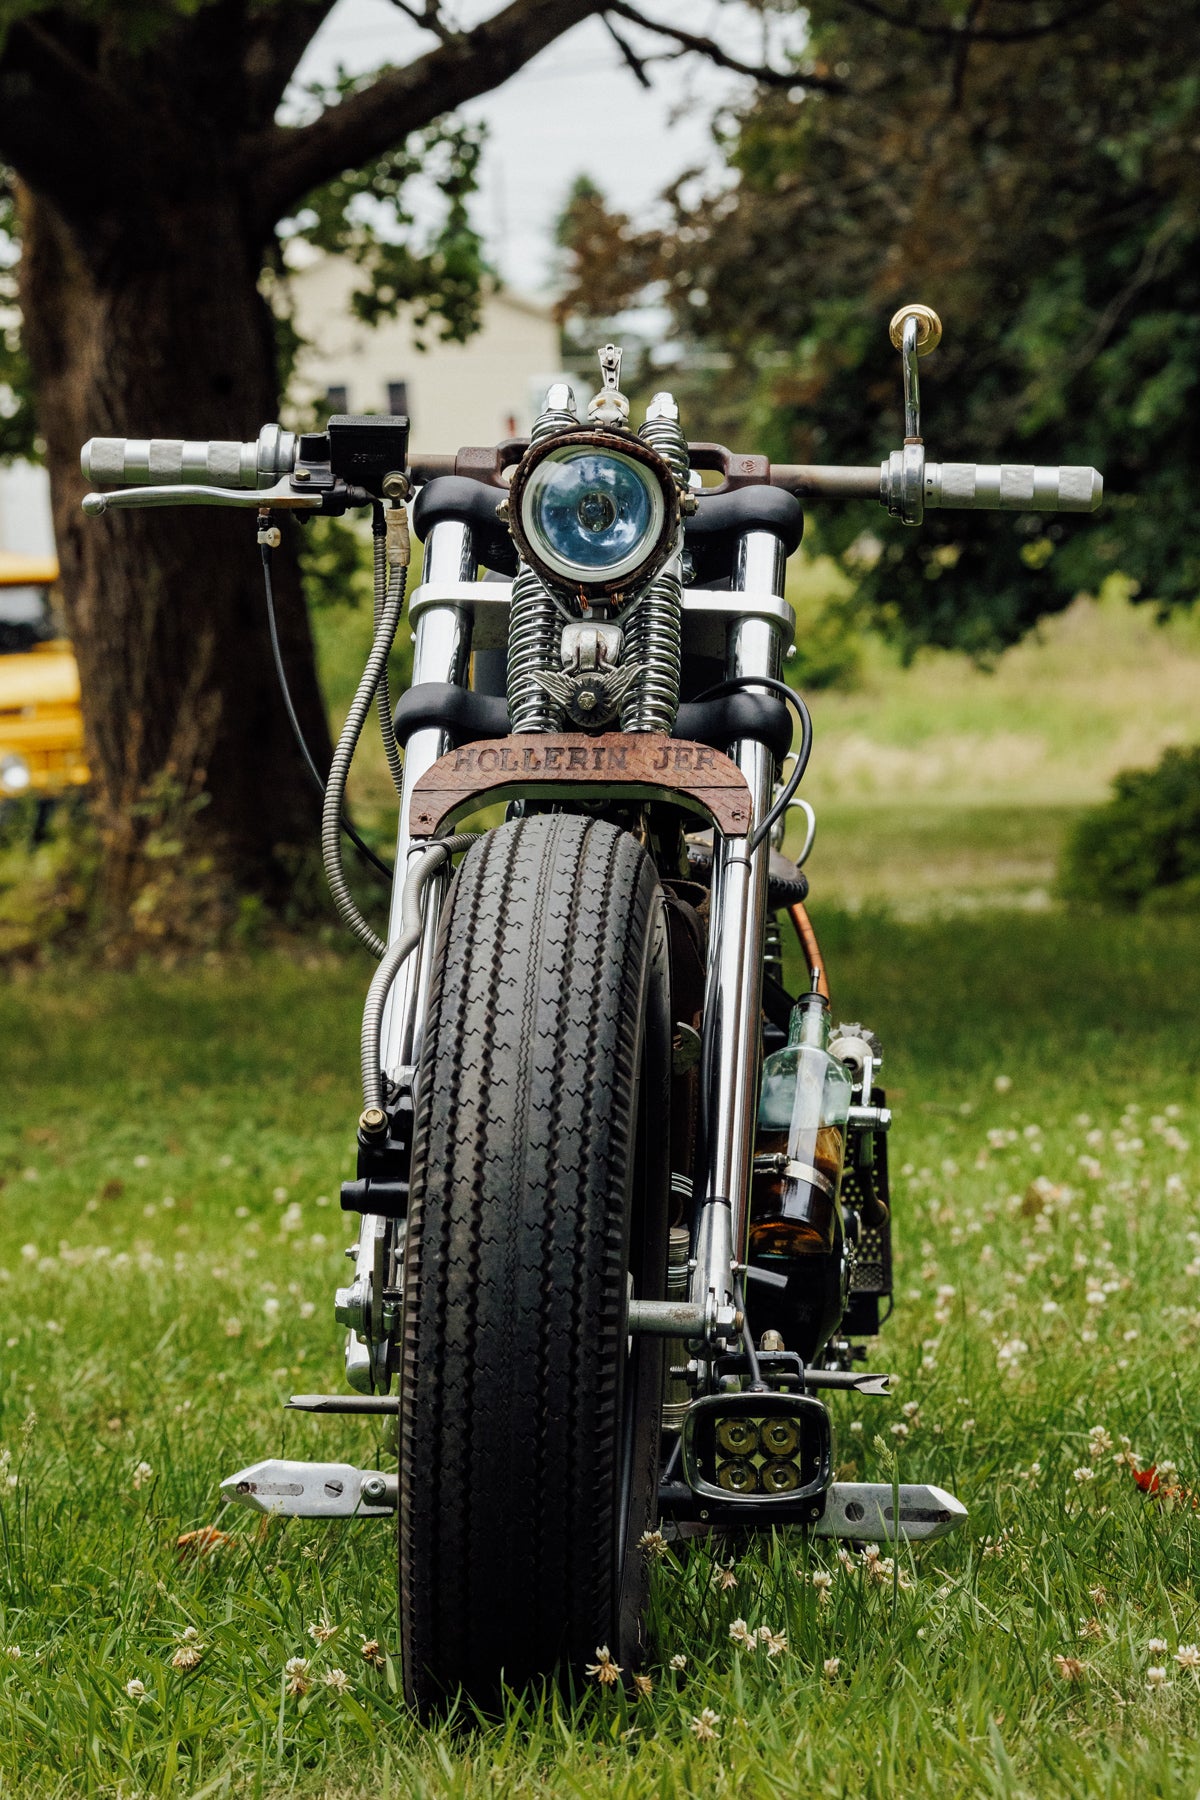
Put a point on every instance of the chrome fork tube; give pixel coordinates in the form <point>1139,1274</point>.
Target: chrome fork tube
<point>441,652</point>
<point>733,985</point>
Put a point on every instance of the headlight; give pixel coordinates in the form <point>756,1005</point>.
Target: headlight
<point>594,513</point>
<point>14,775</point>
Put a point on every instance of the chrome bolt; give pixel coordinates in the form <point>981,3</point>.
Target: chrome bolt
<point>374,1488</point>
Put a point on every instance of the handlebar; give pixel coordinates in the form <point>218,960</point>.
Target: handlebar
<point>223,463</point>
<point>163,471</point>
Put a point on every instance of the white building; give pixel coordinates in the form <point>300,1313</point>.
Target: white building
<point>489,388</point>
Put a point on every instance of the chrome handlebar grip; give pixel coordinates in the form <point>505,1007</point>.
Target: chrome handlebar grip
<point>145,462</point>
<point>1014,487</point>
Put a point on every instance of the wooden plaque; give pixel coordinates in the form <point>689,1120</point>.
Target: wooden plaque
<point>639,765</point>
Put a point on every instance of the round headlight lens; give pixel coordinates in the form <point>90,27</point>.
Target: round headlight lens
<point>592,513</point>
<point>14,775</point>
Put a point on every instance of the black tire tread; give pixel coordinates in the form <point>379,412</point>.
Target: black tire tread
<point>517,1256</point>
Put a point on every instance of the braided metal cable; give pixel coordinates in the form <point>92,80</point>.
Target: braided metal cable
<point>339,768</point>
<point>383,693</point>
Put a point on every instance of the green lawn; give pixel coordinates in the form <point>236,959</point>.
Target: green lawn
<point>171,1145</point>
<point>169,1252</point>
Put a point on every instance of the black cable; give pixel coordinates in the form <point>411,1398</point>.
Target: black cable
<point>363,849</point>
<point>738,684</point>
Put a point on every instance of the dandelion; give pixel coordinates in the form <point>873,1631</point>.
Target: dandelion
<point>653,1544</point>
<point>1155,1677</point>
<point>643,1686</point>
<point>604,1668</point>
<point>705,1724</point>
<point>337,1679</point>
<point>296,1676</point>
<point>724,1578</point>
<point>830,1667</point>
<point>678,1662</point>
<point>371,1653</point>
<point>1157,1647</point>
<point>142,1474</point>
<point>135,1689</point>
<point>322,1631</point>
<point>1083,1475</point>
<point>742,1636</point>
<point>1069,1668</point>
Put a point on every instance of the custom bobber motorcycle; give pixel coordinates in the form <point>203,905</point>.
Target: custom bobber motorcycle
<point>623,1201</point>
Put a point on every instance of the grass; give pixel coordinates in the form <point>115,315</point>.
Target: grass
<point>170,1149</point>
<point>169,1250</point>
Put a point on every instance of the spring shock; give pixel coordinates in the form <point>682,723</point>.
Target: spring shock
<point>534,622</point>
<point>653,632</point>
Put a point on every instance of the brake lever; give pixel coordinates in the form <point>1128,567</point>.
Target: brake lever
<point>184,494</point>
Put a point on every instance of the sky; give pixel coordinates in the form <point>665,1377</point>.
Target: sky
<point>576,109</point>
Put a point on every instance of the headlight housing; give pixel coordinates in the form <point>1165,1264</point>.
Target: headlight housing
<point>594,513</point>
<point>15,776</point>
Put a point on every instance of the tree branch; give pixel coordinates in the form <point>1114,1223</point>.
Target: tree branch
<point>276,38</point>
<point>633,62</point>
<point>976,34</point>
<point>287,162</point>
<point>89,147</point>
<point>713,53</point>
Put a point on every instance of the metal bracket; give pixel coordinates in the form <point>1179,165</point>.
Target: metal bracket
<point>866,1510</point>
<point>311,1490</point>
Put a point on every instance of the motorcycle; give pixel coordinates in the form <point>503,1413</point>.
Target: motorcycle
<point>623,1203</point>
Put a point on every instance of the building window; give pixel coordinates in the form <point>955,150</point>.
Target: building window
<point>337,400</point>
<point>397,392</point>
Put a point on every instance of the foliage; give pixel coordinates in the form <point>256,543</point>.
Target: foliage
<point>1142,849</point>
<point>365,214</point>
<point>1042,194</point>
<point>17,411</point>
<point>171,1242</point>
<point>336,562</point>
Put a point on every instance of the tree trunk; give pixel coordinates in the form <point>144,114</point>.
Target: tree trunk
<point>157,328</point>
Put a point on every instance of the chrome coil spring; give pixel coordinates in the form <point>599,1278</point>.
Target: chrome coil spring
<point>534,636</point>
<point>663,432</point>
<point>653,638</point>
<point>534,623</point>
<point>653,633</point>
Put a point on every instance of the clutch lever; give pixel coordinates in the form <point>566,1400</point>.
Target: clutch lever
<point>283,494</point>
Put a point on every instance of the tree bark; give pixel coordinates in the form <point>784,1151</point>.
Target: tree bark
<point>158,329</point>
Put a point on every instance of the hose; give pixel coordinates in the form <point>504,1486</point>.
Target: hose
<point>432,858</point>
<point>339,768</point>
<point>815,962</point>
<point>383,695</point>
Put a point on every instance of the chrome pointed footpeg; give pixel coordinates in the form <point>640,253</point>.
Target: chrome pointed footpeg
<point>312,1490</point>
<point>866,1510</point>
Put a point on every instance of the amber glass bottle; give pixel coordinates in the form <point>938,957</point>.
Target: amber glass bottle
<point>801,1141</point>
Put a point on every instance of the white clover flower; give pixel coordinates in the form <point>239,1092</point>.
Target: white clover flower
<point>1083,1475</point>
<point>337,1679</point>
<point>142,1474</point>
<point>1155,1677</point>
<point>705,1724</point>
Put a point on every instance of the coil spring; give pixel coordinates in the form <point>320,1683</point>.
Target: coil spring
<point>534,634</point>
<point>653,634</point>
<point>534,625</point>
<point>653,638</point>
<point>665,434</point>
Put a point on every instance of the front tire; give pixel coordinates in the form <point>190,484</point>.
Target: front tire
<point>529,1421</point>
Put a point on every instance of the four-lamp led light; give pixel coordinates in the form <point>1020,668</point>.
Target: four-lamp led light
<point>594,513</point>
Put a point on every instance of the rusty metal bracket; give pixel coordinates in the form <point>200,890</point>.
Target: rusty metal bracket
<point>571,765</point>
